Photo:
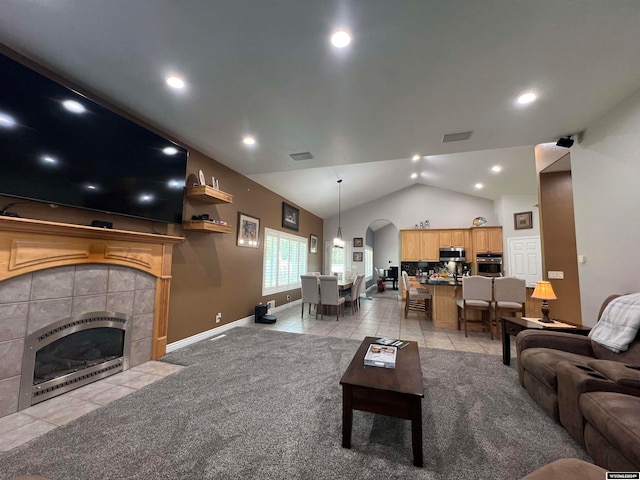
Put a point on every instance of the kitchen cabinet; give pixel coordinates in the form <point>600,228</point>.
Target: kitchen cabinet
<point>454,238</point>
<point>487,240</point>
<point>419,246</point>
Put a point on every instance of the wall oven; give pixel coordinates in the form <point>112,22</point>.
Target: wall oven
<point>489,264</point>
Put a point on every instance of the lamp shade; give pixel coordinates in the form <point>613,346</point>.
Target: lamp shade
<point>543,291</point>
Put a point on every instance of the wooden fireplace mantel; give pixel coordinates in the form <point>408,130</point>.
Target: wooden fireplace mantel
<point>31,245</point>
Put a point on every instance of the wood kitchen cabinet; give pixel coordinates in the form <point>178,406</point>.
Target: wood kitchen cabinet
<point>487,240</point>
<point>454,238</point>
<point>419,246</point>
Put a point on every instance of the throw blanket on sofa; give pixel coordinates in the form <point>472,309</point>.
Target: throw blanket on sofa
<point>619,323</point>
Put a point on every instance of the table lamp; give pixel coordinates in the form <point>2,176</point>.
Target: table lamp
<point>544,291</point>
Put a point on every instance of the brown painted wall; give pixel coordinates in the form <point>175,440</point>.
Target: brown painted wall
<point>559,244</point>
<point>210,273</point>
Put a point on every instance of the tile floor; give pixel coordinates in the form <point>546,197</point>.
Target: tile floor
<point>383,317</point>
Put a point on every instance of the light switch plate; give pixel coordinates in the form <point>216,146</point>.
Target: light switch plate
<point>555,275</point>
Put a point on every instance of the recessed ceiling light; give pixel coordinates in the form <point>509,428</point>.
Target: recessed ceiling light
<point>414,175</point>
<point>478,186</point>
<point>527,98</point>
<point>249,140</point>
<point>7,120</point>
<point>416,157</point>
<point>175,82</point>
<point>48,159</point>
<point>73,106</point>
<point>340,39</point>
<point>169,150</point>
<point>496,168</point>
<point>91,187</point>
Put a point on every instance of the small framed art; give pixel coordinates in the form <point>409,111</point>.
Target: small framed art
<point>357,256</point>
<point>522,220</point>
<point>357,242</point>
<point>290,217</point>
<point>313,244</point>
<point>248,231</point>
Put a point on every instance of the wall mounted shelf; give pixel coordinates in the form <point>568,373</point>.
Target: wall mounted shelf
<point>205,226</point>
<point>207,194</point>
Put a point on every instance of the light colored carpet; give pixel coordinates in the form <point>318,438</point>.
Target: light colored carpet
<point>267,405</point>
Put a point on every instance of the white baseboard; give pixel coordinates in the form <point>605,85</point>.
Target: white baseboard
<point>171,347</point>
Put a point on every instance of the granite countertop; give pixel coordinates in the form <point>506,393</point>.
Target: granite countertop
<point>441,281</point>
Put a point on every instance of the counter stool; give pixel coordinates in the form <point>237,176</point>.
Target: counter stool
<point>509,295</point>
<point>416,298</point>
<point>477,294</point>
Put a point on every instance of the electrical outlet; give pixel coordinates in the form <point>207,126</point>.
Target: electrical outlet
<point>218,317</point>
<point>288,297</point>
<point>555,275</point>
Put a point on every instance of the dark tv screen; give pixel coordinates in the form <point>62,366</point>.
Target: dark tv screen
<point>59,147</point>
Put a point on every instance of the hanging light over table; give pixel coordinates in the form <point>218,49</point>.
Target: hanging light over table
<point>338,242</point>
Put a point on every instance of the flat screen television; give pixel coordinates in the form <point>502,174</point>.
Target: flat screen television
<point>60,147</point>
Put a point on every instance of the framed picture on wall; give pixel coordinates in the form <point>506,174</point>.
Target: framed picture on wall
<point>357,242</point>
<point>290,217</point>
<point>522,220</point>
<point>357,256</point>
<point>248,231</point>
<point>313,244</point>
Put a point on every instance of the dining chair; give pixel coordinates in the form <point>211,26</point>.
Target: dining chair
<point>310,292</point>
<point>416,298</point>
<point>509,295</point>
<point>354,296</point>
<point>477,295</point>
<point>329,295</point>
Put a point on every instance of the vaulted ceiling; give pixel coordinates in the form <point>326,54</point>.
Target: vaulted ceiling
<point>414,71</point>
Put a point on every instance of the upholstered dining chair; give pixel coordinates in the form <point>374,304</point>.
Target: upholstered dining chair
<point>415,298</point>
<point>477,295</point>
<point>353,297</point>
<point>310,292</point>
<point>329,294</point>
<point>509,295</point>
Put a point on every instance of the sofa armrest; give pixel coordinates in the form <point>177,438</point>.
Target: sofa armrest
<point>567,342</point>
<point>574,380</point>
<point>617,372</point>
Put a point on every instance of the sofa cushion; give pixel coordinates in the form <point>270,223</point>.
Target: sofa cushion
<point>542,362</point>
<point>568,469</point>
<point>615,417</point>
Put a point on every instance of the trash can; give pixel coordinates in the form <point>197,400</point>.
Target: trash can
<point>261,315</point>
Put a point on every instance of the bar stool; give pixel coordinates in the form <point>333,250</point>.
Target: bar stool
<point>416,298</point>
<point>477,294</point>
<point>509,295</point>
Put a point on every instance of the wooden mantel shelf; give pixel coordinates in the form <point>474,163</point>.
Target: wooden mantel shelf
<point>26,225</point>
<point>30,245</point>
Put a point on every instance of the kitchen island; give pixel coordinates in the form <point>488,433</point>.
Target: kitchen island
<point>445,292</point>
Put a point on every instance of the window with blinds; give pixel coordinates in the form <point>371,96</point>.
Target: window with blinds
<point>285,259</point>
<point>368,263</point>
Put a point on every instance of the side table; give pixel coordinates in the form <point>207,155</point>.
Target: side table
<point>514,325</point>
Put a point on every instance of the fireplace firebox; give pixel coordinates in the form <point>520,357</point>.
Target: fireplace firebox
<point>73,352</point>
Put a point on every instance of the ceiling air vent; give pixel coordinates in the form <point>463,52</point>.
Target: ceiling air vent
<point>301,156</point>
<point>456,137</point>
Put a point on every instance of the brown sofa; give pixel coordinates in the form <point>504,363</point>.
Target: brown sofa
<point>540,351</point>
<point>568,469</point>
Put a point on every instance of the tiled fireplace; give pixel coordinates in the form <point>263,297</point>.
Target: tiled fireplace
<point>59,279</point>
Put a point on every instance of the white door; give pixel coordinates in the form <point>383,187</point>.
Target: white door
<point>525,259</point>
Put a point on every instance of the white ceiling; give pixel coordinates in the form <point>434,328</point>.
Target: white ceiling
<point>416,70</point>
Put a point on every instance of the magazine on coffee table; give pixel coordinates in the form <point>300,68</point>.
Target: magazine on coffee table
<point>381,356</point>
<point>391,341</point>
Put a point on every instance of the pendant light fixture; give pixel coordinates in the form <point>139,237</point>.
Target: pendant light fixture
<point>338,242</point>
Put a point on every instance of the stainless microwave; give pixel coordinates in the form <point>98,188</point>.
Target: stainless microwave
<point>453,254</point>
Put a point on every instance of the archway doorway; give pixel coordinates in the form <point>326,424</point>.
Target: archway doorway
<point>383,238</point>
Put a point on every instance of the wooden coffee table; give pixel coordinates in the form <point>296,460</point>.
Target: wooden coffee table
<point>514,325</point>
<point>395,392</point>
